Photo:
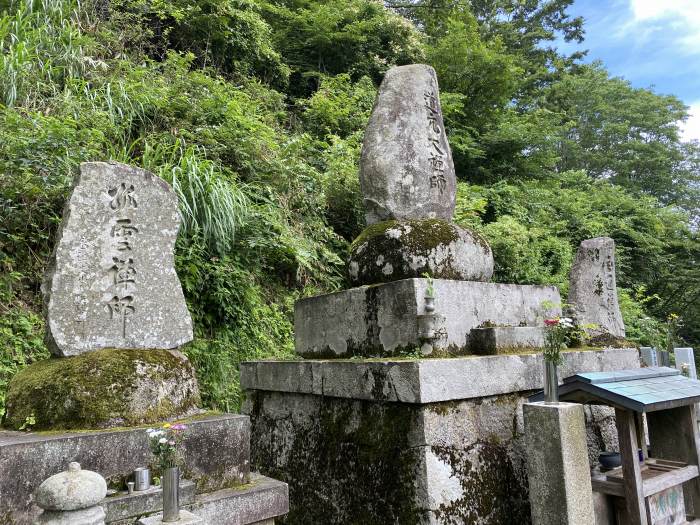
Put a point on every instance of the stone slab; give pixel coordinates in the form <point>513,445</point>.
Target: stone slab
<point>593,288</point>
<point>406,168</point>
<point>216,455</point>
<point>111,281</point>
<point>123,505</point>
<point>424,380</point>
<point>557,464</point>
<point>381,320</point>
<point>649,356</point>
<point>505,339</point>
<point>186,518</point>
<point>261,500</point>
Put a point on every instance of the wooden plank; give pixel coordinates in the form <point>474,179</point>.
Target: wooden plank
<point>632,480</point>
<point>669,479</point>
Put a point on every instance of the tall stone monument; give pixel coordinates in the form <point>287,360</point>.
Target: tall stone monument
<point>111,282</point>
<point>115,310</point>
<point>389,437</point>
<point>593,289</point>
<point>406,170</point>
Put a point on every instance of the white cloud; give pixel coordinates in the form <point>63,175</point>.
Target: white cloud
<point>690,129</point>
<point>681,18</point>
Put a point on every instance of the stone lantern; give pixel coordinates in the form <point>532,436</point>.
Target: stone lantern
<point>71,498</point>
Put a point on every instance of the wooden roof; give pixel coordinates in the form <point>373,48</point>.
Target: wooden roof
<point>640,390</point>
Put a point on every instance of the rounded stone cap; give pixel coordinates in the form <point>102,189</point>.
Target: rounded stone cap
<point>393,250</point>
<point>73,489</point>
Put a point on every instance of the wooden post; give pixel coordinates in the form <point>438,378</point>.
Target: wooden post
<point>673,434</point>
<point>631,473</point>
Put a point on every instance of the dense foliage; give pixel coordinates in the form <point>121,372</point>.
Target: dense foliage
<point>254,111</point>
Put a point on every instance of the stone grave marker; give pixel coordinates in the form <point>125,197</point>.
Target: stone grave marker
<point>406,169</point>
<point>686,356</point>
<point>593,288</point>
<point>649,356</point>
<point>111,282</point>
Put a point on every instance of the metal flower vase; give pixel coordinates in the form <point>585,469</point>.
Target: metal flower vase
<point>171,494</point>
<point>551,382</point>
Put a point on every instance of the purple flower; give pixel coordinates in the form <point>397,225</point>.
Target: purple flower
<point>179,426</point>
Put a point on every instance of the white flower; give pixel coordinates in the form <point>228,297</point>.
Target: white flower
<point>162,441</point>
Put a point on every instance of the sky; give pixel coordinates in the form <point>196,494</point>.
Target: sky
<point>652,43</point>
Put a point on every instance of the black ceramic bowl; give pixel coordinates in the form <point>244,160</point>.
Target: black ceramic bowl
<point>609,460</point>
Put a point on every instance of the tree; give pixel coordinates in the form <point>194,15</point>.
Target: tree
<point>627,135</point>
<point>359,37</point>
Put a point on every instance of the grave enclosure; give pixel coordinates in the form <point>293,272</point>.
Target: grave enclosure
<point>407,405</point>
<point>116,317</point>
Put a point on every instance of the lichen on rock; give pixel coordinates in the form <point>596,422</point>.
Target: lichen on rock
<point>102,389</point>
<point>394,250</point>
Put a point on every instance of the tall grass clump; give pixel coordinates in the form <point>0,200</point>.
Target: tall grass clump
<point>41,45</point>
<point>213,207</point>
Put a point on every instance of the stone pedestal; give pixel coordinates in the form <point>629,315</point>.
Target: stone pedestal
<point>382,320</point>
<point>557,463</point>
<point>427,441</point>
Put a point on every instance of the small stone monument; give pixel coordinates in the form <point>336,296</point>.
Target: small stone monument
<point>71,498</point>
<point>115,311</point>
<point>593,288</point>
<point>111,282</point>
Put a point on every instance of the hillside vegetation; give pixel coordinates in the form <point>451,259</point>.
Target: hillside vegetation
<point>254,111</point>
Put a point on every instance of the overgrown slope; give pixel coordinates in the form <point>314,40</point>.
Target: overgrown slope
<point>254,111</point>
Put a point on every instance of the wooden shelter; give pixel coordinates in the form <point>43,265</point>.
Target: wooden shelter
<point>666,398</point>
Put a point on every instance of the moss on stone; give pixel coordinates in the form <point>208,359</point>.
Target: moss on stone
<point>418,238</point>
<point>96,390</point>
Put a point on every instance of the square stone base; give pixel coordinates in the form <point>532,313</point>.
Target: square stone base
<point>382,320</point>
<point>412,442</point>
<point>186,518</point>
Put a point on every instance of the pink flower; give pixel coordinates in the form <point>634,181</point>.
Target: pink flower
<point>179,426</point>
<point>551,322</point>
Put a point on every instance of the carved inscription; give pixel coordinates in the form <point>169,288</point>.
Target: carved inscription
<point>604,281</point>
<point>437,157</point>
<point>123,271</point>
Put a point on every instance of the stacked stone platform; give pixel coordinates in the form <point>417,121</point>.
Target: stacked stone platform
<point>419,441</point>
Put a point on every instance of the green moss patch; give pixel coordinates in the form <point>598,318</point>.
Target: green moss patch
<point>100,389</point>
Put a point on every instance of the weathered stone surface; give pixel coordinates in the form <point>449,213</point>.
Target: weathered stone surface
<point>422,381</point>
<point>262,500</point>
<point>111,282</point>
<point>393,250</point>
<point>406,169</point>
<point>124,506</point>
<point>104,388</point>
<point>460,461</point>
<point>505,339</point>
<point>216,455</point>
<point>91,516</point>
<point>73,489</point>
<point>186,518</point>
<point>381,320</point>
<point>557,464</point>
<point>593,288</point>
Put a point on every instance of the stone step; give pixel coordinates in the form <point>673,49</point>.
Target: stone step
<point>216,455</point>
<point>256,503</point>
<point>494,340</point>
